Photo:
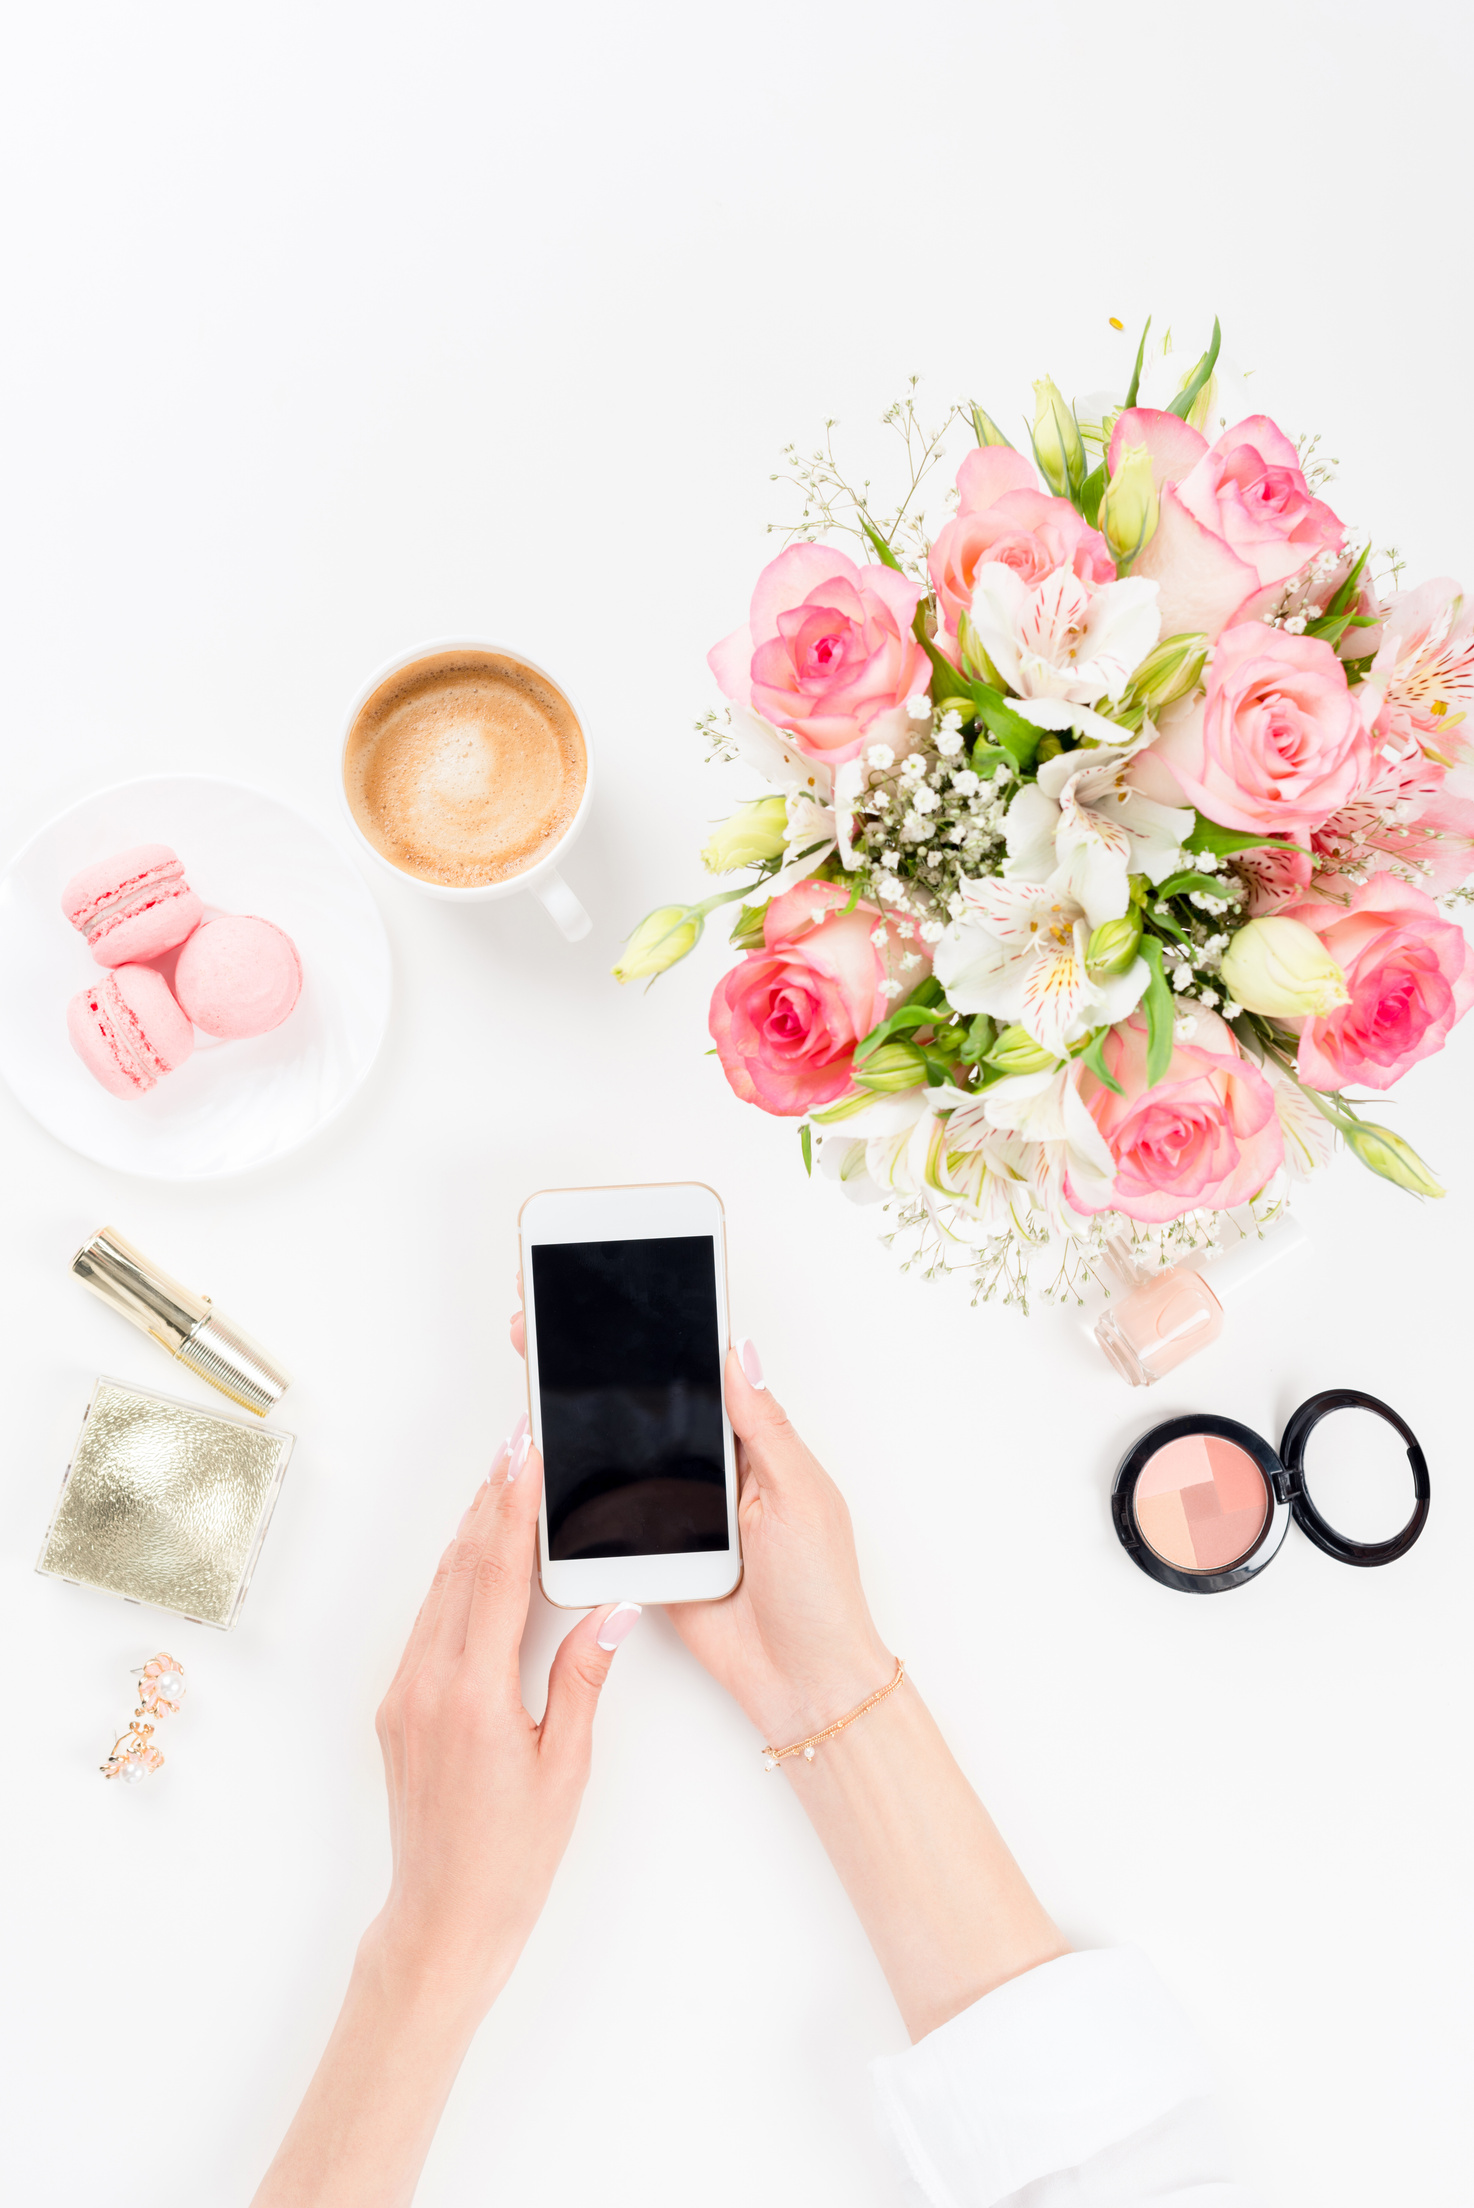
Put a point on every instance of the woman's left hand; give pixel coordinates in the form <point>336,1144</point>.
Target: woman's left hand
<point>482,1798</point>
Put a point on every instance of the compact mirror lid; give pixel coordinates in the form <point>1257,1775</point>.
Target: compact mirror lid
<point>1310,1519</point>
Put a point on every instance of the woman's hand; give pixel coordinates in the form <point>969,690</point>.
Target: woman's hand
<point>945,1906</point>
<point>795,1646</point>
<point>482,1799</point>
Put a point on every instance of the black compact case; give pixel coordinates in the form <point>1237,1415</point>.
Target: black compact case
<point>1181,1532</point>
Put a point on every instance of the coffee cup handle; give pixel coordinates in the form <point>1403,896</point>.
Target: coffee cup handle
<point>559,901</point>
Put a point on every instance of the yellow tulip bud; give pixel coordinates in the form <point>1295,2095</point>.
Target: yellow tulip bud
<point>1057,445</point>
<point>1281,968</point>
<point>1128,507</point>
<point>1017,1052</point>
<point>891,1066</point>
<point>755,832</point>
<point>1113,945</point>
<point>658,942</point>
<point>1390,1156</point>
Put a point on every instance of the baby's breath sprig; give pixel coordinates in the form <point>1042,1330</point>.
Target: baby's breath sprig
<point>927,821</point>
<point>831,501</point>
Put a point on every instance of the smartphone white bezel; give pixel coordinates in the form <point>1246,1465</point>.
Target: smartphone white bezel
<point>635,1213</point>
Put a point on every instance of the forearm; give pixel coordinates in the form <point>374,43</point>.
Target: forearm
<point>946,1909</point>
<point>360,2138</point>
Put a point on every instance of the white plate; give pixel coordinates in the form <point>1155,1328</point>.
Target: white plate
<point>232,1105</point>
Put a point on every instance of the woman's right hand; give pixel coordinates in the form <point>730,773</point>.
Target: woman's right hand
<point>795,1646</point>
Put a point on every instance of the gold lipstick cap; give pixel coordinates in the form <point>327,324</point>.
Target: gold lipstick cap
<point>187,1325</point>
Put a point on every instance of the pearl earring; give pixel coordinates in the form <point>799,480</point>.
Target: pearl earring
<point>161,1689</point>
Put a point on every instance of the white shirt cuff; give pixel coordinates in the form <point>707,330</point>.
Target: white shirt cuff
<point>1039,2076</point>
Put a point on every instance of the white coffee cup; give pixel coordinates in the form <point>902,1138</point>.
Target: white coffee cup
<point>543,877</point>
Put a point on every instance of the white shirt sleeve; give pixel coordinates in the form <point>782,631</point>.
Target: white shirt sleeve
<point>1079,2085</point>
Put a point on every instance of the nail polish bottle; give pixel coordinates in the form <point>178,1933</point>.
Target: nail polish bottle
<point>1168,1316</point>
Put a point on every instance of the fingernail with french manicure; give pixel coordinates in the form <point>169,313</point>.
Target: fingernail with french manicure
<point>518,1443</point>
<point>752,1365</point>
<point>621,1620</point>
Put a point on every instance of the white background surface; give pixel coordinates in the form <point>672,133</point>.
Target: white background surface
<point>333,328</point>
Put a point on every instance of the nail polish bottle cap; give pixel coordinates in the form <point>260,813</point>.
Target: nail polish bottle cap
<point>1244,1262</point>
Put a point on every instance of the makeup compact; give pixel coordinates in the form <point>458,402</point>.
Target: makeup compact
<point>1202,1503</point>
<point>164,1503</point>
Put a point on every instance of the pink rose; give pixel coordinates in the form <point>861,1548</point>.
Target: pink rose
<point>786,1021</point>
<point>1003,516</point>
<point>1237,519</point>
<point>1411,976</point>
<point>828,653</point>
<point>1277,743</point>
<point>1205,1138</point>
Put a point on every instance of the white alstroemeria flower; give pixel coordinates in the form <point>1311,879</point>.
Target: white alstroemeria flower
<point>1063,638</point>
<point>1047,1110</point>
<point>1018,952</point>
<point>1084,829</point>
<point>1310,1139</point>
<point>974,1185</point>
<point>815,830</point>
<point>773,755</point>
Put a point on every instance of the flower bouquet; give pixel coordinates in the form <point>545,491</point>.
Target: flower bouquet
<point>1107,832</point>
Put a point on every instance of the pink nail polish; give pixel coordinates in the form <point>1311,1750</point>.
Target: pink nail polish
<point>517,1448</point>
<point>621,1620</point>
<point>752,1365</point>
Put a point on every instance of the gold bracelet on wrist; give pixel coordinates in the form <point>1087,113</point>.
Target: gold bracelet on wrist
<point>772,1757</point>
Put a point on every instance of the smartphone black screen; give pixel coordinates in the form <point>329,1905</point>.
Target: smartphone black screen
<point>629,1373</point>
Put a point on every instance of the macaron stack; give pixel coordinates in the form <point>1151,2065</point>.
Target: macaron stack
<point>233,976</point>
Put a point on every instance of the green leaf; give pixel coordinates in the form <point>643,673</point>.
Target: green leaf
<point>883,551</point>
<point>1208,836</point>
<point>1160,1014</point>
<point>985,756</point>
<point>919,1010</point>
<point>1135,384</point>
<point>981,1037</point>
<point>1176,885</point>
<point>1018,737</point>
<point>1182,405</point>
<point>945,680</point>
<point>747,929</point>
<point>1092,491</point>
<point>1091,1056</point>
<point>806,1144</point>
<point>1344,597</point>
<point>1168,925</point>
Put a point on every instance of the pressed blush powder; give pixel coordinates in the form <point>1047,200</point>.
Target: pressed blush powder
<point>1201,1502</point>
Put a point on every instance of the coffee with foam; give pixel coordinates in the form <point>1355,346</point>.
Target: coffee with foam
<point>465,767</point>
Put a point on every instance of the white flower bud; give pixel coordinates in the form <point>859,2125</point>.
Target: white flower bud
<point>1281,968</point>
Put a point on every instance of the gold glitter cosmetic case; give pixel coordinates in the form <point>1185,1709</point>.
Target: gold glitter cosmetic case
<point>166,1504</point>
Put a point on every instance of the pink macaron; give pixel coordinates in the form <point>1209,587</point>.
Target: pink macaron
<point>128,1031</point>
<point>238,976</point>
<point>134,906</point>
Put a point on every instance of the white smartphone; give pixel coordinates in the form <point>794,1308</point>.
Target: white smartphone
<point>625,1294</point>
